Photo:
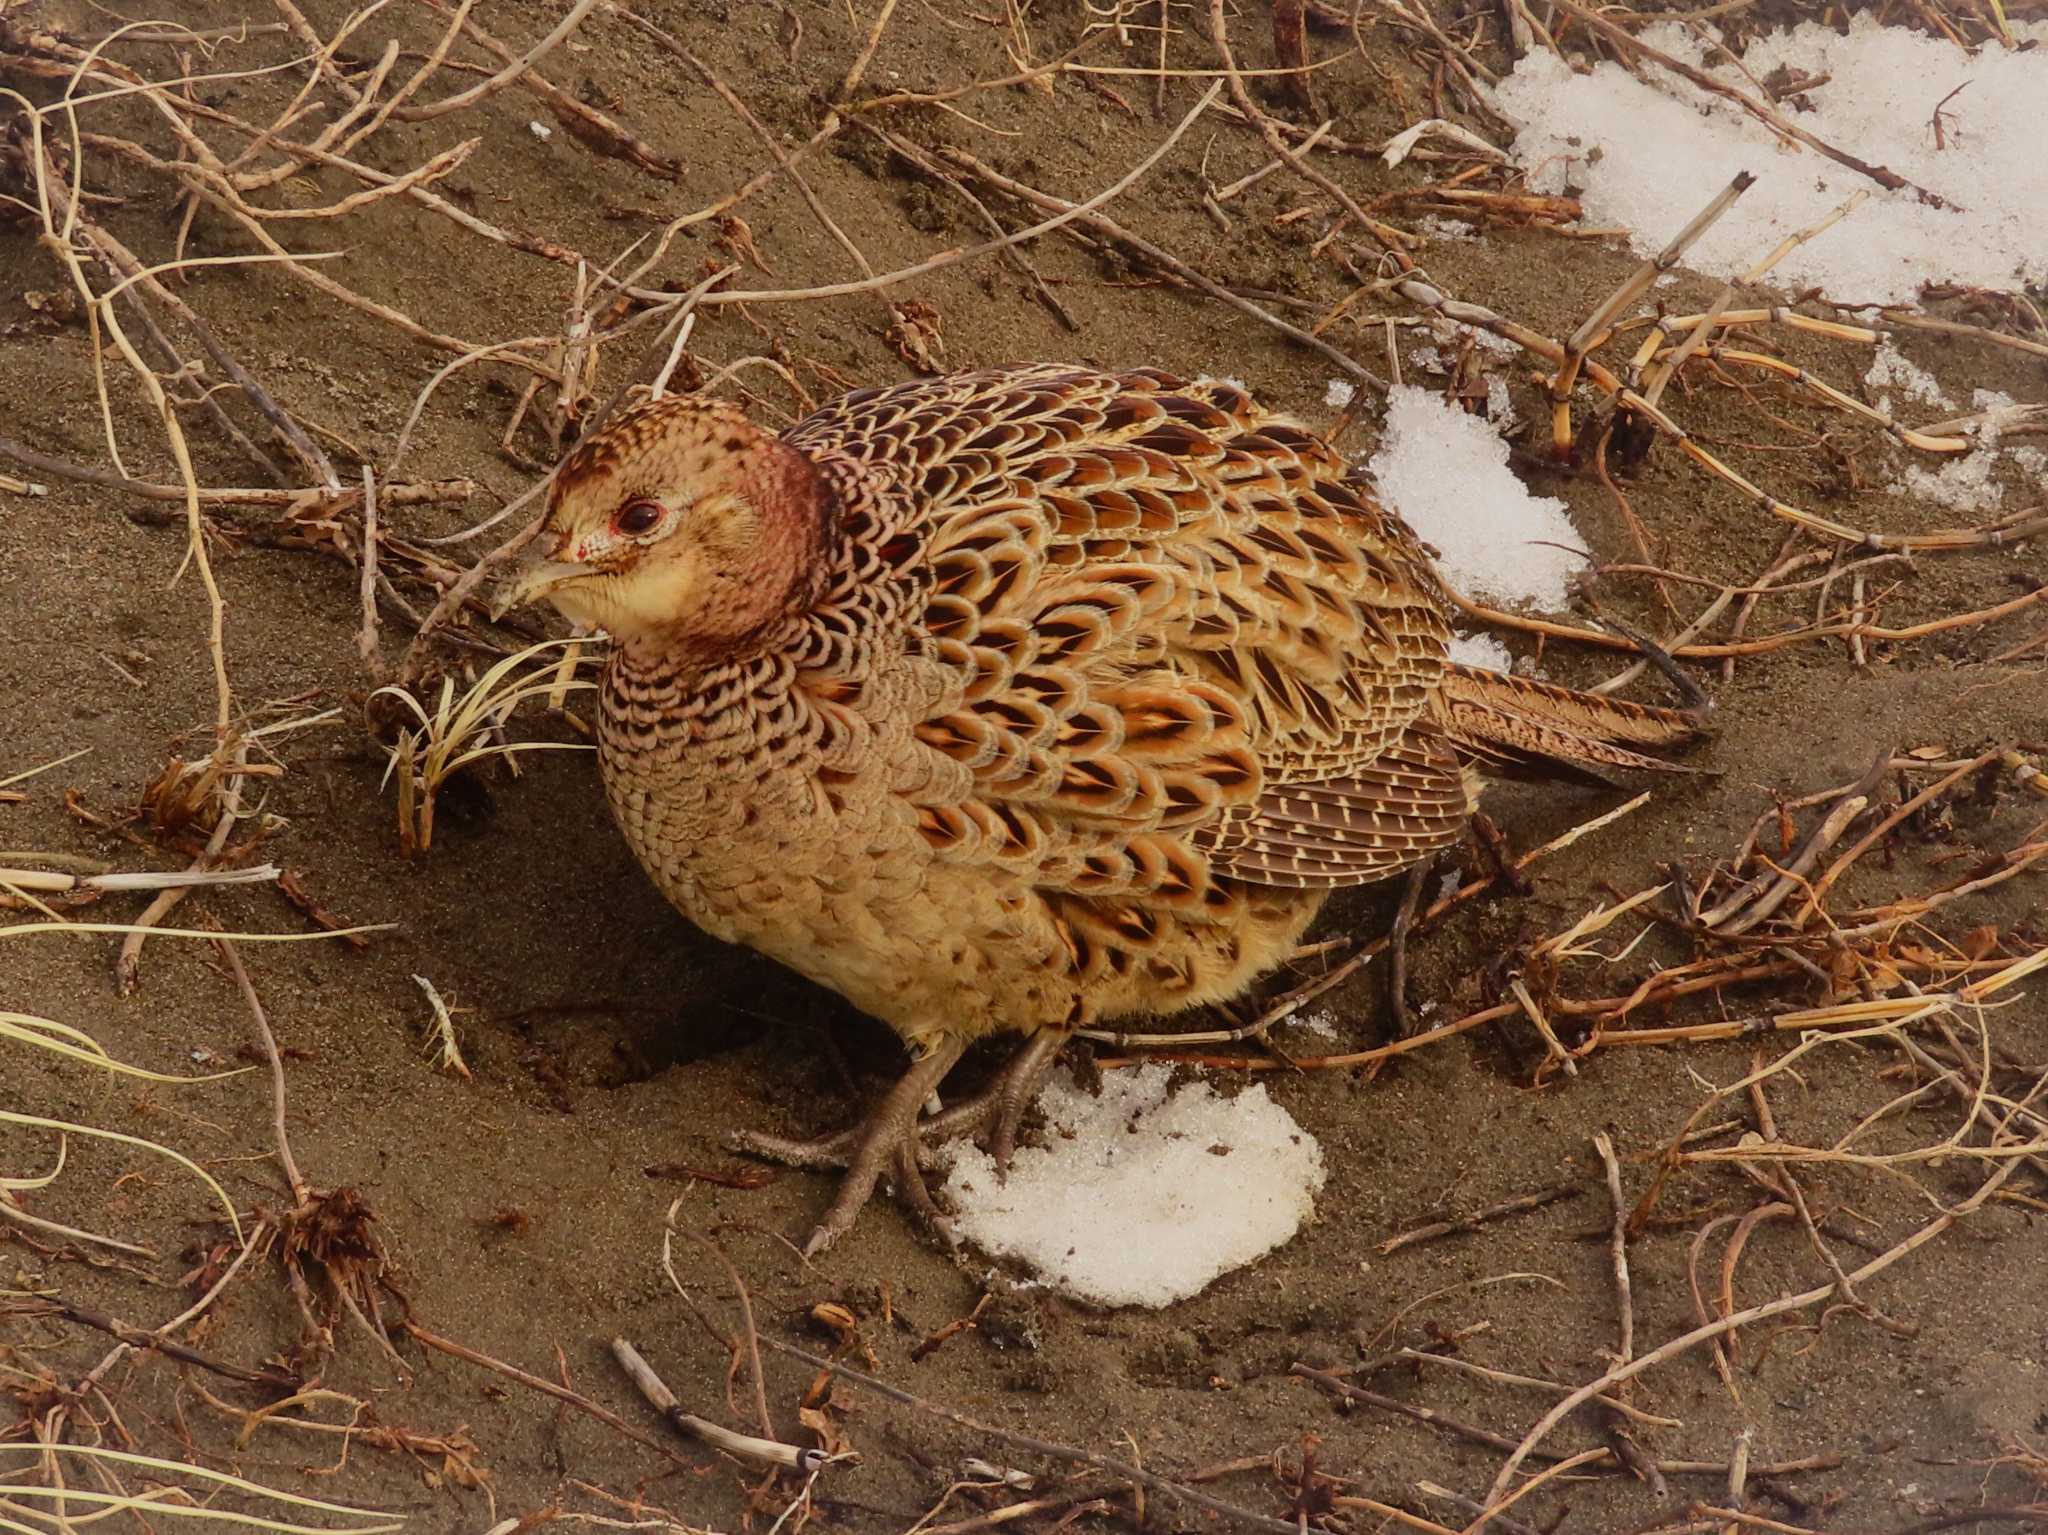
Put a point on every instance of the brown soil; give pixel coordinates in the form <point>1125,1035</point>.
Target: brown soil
<point>611,1044</point>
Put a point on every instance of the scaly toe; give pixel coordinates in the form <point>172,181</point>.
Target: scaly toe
<point>910,1187</point>
<point>1002,1141</point>
<point>824,1152</point>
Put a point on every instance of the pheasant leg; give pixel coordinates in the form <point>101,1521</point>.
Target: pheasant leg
<point>1003,1101</point>
<point>885,1141</point>
<point>1397,948</point>
<point>1016,1089</point>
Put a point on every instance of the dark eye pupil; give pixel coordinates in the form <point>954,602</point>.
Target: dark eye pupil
<point>639,517</point>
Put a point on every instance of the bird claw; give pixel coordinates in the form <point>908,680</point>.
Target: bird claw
<point>899,1139</point>
<point>888,1140</point>
<point>881,1147</point>
<point>1015,1091</point>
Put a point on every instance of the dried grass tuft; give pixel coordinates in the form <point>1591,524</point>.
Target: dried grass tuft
<point>467,728</point>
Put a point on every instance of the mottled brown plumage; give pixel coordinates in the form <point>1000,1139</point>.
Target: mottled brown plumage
<point>1024,699</point>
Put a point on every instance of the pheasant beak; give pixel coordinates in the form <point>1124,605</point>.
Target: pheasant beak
<point>535,577</point>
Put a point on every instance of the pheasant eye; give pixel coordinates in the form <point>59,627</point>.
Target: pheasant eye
<point>637,517</point>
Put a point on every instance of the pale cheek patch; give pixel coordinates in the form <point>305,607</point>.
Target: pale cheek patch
<point>582,603</point>
<point>651,598</point>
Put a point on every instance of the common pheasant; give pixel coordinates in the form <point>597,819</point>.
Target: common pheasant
<point>1023,700</point>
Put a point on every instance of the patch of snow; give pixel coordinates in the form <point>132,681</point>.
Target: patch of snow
<point>1339,393</point>
<point>1965,483</point>
<point>1962,484</point>
<point>1322,1023</point>
<point>1144,1196</point>
<point>1481,650</point>
<point>1500,405</point>
<point>1438,359</point>
<point>540,130</point>
<point>1446,472</point>
<point>1440,228</point>
<point>1663,148</point>
<point>1893,369</point>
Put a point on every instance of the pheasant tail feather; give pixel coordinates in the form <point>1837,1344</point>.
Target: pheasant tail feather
<point>1515,725</point>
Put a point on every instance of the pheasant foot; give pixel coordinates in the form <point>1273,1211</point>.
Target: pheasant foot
<point>1004,1100</point>
<point>887,1140</point>
<point>895,1139</point>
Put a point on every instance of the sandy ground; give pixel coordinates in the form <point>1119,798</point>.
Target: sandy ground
<point>612,1046</point>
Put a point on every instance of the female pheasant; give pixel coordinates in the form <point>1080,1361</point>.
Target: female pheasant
<point>1022,700</point>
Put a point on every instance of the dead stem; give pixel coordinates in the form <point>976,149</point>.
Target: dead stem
<point>1345,1390</point>
<point>464,589</point>
<point>50,1428</point>
<point>1777,120</point>
<point>366,591</point>
<point>783,160</point>
<point>762,1452</point>
<point>1433,298</point>
<point>1068,212</point>
<point>1121,1470</point>
<point>1219,34</point>
<point>1728,1325</point>
<point>590,128</point>
<point>1509,1378</point>
<point>1014,253</point>
<point>1287,1005</point>
<point>1167,262</point>
<point>1599,325</point>
<point>1712,649</point>
<point>156,1342</point>
<point>511,74</point>
<point>309,501</point>
<point>297,1183</point>
<point>576,1399</point>
<point>1617,1246</point>
<point>231,757</point>
<point>1465,1224</point>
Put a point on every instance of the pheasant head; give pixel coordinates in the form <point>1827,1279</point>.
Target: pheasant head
<point>681,526</point>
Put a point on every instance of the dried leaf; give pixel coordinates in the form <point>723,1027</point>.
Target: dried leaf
<point>822,1421</point>
<point>737,239</point>
<point>837,1320</point>
<point>1980,941</point>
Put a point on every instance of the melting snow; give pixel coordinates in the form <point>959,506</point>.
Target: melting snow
<point>1446,229</point>
<point>1446,471</point>
<point>1649,156</point>
<point>1322,1023</point>
<point>1144,1195</point>
<point>1965,483</point>
<point>1893,369</point>
<point>1481,650</point>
